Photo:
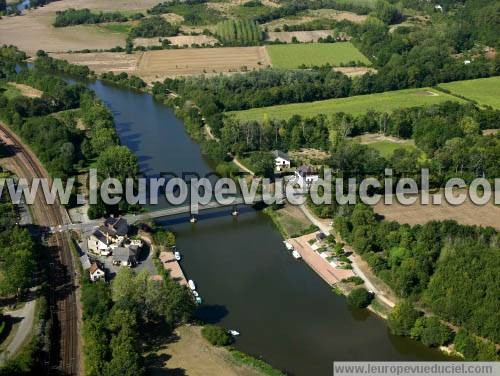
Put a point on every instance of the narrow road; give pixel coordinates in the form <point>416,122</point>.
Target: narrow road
<point>26,314</point>
<point>64,354</point>
<point>355,267</point>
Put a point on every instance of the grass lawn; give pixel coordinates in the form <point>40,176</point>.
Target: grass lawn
<point>290,220</point>
<point>356,105</point>
<point>386,148</point>
<point>121,27</point>
<point>310,54</point>
<point>485,91</point>
<point>367,3</point>
<point>9,91</point>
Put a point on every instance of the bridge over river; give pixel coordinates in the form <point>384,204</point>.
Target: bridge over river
<point>162,213</point>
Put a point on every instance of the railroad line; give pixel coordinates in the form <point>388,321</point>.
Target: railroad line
<point>64,354</point>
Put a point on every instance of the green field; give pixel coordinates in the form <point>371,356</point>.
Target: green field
<point>9,91</point>
<point>310,54</point>
<point>386,148</point>
<point>356,105</point>
<point>123,27</point>
<point>485,91</point>
<point>366,3</point>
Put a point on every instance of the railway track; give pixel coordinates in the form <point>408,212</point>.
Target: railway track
<point>64,356</point>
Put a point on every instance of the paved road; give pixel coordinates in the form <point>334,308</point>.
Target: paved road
<point>355,267</point>
<point>26,314</point>
<point>176,210</point>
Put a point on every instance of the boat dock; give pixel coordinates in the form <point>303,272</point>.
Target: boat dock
<point>173,267</point>
<point>323,268</point>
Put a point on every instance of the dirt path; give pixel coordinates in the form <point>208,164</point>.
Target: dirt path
<point>188,353</point>
<point>242,166</point>
<point>23,331</point>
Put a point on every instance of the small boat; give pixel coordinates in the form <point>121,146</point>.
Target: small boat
<point>233,332</point>
<point>177,255</point>
<point>288,246</point>
<point>296,254</point>
<point>191,285</point>
<point>195,293</point>
<point>198,300</point>
<point>193,219</point>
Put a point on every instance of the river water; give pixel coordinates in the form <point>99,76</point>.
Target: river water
<point>286,314</point>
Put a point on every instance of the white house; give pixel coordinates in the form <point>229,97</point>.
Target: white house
<point>467,62</point>
<point>99,243</point>
<point>108,236</point>
<point>438,7</point>
<point>305,176</point>
<point>96,273</point>
<point>281,160</point>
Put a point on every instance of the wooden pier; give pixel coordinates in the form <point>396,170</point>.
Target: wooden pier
<point>173,267</point>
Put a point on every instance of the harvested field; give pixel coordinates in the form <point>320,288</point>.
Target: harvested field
<point>103,61</point>
<point>338,16</point>
<point>26,90</point>
<point>121,5</point>
<point>302,36</point>
<point>308,155</point>
<point>33,30</point>
<point>468,213</point>
<point>180,40</point>
<point>355,71</point>
<point>156,65</point>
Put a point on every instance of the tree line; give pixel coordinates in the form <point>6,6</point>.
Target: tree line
<point>71,17</point>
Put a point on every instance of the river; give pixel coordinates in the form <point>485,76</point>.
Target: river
<point>286,314</point>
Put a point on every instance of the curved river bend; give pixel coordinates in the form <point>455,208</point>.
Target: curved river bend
<point>286,314</point>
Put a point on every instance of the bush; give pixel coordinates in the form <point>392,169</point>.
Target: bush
<point>431,331</point>
<point>354,279</point>
<point>359,298</point>
<point>402,319</point>
<point>216,335</point>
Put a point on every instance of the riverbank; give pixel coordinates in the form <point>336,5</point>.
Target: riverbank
<point>188,352</point>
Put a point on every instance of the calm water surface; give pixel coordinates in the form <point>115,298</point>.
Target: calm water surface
<point>286,314</point>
